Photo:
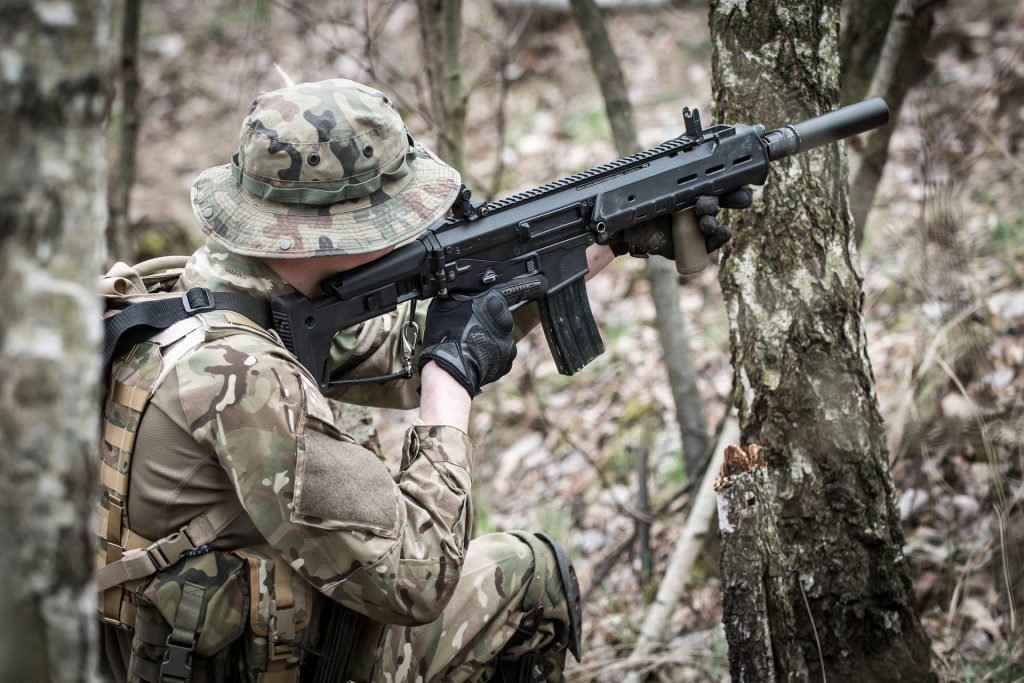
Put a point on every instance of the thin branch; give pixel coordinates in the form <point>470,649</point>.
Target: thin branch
<point>685,553</point>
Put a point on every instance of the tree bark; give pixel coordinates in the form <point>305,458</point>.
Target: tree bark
<point>802,380</point>
<point>863,31</point>
<point>53,213</point>
<point>119,230</point>
<point>756,613</point>
<point>660,272</point>
<point>440,31</point>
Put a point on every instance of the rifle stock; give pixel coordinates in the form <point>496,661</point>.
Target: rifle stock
<point>532,246</point>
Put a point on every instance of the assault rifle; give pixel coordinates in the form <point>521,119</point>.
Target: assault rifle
<point>532,246</point>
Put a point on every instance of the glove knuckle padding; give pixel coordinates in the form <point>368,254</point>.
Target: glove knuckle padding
<point>470,338</point>
<point>739,198</point>
<point>491,308</point>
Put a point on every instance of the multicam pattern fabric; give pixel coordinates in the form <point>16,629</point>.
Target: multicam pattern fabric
<point>323,168</point>
<point>261,414</point>
<point>394,546</point>
<point>225,602</point>
<point>505,577</point>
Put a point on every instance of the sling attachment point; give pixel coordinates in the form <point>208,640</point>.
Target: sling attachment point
<point>410,334</point>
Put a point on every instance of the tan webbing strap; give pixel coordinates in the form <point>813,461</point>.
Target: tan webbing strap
<point>129,396</point>
<point>112,603</point>
<point>139,563</point>
<point>113,480</point>
<point>114,515</point>
<point>144,669</point>
<point>177,664</point>
<point>283,583</point>
<point>280,676</point>
<point>132,541</point>
<point>118,437</point>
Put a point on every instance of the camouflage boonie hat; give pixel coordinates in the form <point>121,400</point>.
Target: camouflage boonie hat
<point>322,169</point>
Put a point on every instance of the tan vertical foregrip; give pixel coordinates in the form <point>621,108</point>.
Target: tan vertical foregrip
<point>688,244</point>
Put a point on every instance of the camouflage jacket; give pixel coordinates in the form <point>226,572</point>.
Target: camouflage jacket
<point>387,545</point>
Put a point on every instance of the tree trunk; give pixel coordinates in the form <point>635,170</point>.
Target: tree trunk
<point>440,31</point>
<point>865,24</point>
<point>119,232</point>
<point>53,215</point>
<point>899,63</point>
<point>660,272</point>
<point>756,612</point>
<point>803,382</point>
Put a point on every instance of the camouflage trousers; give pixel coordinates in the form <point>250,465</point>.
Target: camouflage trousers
<point>505,576</point>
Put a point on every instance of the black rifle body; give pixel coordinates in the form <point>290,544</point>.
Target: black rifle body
<point>532,246</point>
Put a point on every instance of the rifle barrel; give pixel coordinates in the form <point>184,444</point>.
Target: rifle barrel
<point>822,130</point>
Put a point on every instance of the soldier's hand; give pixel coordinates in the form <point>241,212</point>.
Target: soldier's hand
<point>654,238</point>
<point>716,234</point>
<point>470,338</point>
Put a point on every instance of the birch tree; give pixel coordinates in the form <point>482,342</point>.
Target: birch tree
<point>803,383</point>
<point>53,103</point>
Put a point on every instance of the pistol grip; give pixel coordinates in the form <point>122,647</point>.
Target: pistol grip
<point>688,243</point>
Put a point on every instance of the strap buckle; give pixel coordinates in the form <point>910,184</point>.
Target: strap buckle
<point>177,664</point>
<point>197,300</point>
<point>281,630</point>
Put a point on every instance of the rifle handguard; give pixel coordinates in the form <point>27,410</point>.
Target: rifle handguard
<point>688,243</point>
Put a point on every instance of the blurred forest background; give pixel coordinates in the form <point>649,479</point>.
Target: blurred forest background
<point>941,257</point>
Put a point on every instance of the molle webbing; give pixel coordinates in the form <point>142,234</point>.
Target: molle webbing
<point>124,557</point>
<point>127,396</point>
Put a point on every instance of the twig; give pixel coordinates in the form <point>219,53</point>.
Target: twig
<point>667,508</point>
<point>643,528</point>
<point>814,629</point>
<point>685,553</point>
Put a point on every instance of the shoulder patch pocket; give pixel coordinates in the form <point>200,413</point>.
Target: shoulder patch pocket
<point>339,484</point>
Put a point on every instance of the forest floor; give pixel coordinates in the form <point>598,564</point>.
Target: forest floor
<point>943,280</point>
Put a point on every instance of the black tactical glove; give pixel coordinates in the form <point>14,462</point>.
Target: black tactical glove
<point>470,337</point>
<point>654,238</point>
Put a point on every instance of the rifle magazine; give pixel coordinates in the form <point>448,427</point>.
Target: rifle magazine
<point>569,327</point>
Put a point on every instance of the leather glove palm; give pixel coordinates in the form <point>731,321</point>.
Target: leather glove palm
<point>470,338</point>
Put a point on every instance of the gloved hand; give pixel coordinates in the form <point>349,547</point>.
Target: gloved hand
<point>470,338</point>
<point>654,238</point>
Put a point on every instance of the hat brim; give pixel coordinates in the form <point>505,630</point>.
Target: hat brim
<point>396,213</point>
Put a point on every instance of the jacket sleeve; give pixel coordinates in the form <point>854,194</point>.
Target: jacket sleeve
<point>388,546</point>
<point>374,349</point>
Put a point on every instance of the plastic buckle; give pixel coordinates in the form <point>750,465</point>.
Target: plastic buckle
<point>197,300</point>
<point>177,664</point>
<point>281,632</point>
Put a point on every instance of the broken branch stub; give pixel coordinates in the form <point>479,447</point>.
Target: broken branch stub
<point>756,610</point>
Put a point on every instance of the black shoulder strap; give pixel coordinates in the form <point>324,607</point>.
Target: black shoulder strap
<point>141,321</point>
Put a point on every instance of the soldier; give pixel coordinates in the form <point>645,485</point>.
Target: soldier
<point>234,462</point>
<point>243,535</point>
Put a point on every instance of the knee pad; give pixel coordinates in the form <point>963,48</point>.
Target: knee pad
<point>573,597</point>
